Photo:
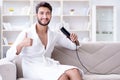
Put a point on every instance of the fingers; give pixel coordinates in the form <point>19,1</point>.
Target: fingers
<point>73,37</point>
<point>27,41</point>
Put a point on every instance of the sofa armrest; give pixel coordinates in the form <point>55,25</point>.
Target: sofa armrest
<point>7,70</point>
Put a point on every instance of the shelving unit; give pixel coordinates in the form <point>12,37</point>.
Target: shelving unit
<point>17,15</point>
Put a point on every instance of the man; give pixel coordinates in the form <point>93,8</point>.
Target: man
<point>36,45</point>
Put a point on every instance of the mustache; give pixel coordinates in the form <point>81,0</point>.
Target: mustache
<point>42,23</point>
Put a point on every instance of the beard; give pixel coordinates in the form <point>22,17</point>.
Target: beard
<point>42,23</point>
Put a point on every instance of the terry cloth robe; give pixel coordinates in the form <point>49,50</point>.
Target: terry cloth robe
<point>36,59</point>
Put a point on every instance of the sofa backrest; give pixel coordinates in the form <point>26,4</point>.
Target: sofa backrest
<point>97,57</point>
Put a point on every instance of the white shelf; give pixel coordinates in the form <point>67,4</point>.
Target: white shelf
<point>75,8</point>
<point>15,7</point>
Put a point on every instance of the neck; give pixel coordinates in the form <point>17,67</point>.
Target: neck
<point>41,29</point>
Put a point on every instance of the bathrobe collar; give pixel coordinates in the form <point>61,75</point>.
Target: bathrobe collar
<point>35,35</point>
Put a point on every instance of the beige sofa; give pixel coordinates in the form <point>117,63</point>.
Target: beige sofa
<point>98,57</point>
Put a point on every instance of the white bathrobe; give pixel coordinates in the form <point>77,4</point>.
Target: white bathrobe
<point>36,59</point>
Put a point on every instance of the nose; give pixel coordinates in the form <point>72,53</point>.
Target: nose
<point>44,15</point>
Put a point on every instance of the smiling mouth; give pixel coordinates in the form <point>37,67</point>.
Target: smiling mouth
<point>45,20</point>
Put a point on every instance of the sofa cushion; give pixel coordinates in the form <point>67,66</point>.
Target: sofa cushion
<point>6,68</point>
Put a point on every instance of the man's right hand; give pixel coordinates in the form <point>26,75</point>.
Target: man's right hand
<point>25,43</point>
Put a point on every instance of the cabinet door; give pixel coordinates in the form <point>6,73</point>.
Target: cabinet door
<point>104,23</point>
<point>105,26</point>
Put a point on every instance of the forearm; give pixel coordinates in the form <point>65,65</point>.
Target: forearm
<point>19,48</point>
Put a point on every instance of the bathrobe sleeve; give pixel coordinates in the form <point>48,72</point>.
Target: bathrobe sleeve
<point>62,40</point>
<point>11,53</point>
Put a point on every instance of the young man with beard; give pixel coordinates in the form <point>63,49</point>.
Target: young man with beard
<point>36,45</point>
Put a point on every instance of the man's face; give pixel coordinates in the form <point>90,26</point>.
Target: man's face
<point>44,16</point>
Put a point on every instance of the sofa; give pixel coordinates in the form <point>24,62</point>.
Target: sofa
<point>99,61</point>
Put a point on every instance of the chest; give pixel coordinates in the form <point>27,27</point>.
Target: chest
<point>43,38</point>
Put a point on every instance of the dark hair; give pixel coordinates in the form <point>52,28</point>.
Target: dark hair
<point>43,4</point>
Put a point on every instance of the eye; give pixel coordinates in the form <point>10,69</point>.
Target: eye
<point>41,13</point>
<point>48,13</point>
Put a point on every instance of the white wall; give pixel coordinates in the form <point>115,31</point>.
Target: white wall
<point>0,9</point>
<point>118,22</point>
<point>105,2</point>
<point>0,25</point>
<point>0,2</point>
